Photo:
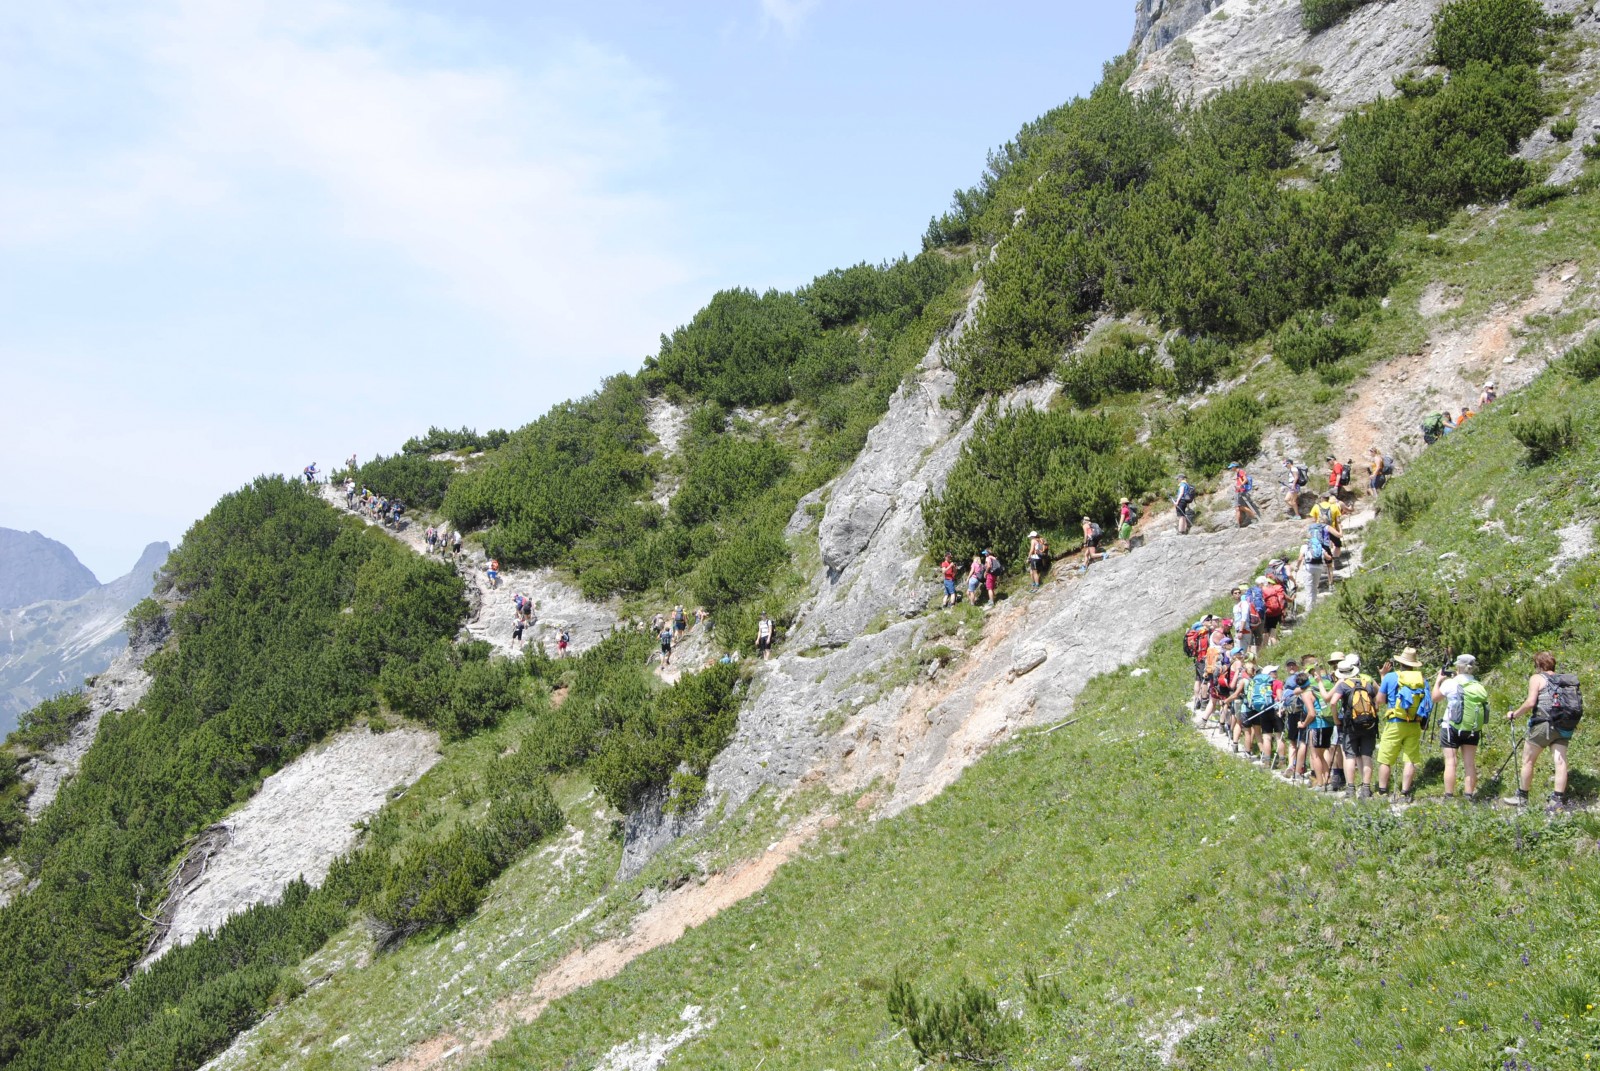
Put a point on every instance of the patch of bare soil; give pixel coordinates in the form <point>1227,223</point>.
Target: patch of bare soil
<point>1449,371</point>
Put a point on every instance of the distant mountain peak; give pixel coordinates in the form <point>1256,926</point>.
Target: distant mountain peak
<point>34,567</point>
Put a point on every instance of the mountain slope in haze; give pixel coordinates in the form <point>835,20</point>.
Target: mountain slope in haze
<point>50,643</point>
<point>34,568</point>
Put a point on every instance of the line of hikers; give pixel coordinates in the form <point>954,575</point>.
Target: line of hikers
<point>1331,725</point>
<point>669,629</point>
<point>387,511</point>
<point>1436,426</point>
<point>524,617</point>
<point>984,571</point>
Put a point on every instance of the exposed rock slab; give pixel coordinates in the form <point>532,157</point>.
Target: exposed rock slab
<point>301,820</point>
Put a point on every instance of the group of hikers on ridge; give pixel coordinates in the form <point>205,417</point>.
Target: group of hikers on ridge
<point>386,511</point>
<point>1329,724</point>
<point>1436,426</point>
<point>670,628</point>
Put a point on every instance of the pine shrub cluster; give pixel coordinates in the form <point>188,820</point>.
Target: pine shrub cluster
<point>417,481</point>
<point>1318,15</point>
<point>1222,431</point>
<point>1545,438</point>
<point>967,1026</point>
<point>1121,364</point>
<point>1489,621</point>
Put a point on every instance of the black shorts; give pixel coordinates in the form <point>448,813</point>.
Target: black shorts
<point>1358,743</point>
<point>763,642</point>
<point>1292,729</point>
<point>1320,738</point>
<point>1270,722</point>
<point>1451,737</point>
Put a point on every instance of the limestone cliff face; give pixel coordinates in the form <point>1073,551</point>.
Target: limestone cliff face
<point>1157,23</point>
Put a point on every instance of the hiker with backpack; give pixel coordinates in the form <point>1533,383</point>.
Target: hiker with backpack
<point>664,635</point>
<point>1295,479</point>
<point>680,621</point>
<point>764,634</point>
<point>563,641</point>
<point>1246,618</point>
<point>1126,516</point>
<point>947,572</point>
<point>1313,563</point>
<point>1259,702</point>
<point>1038,557</point>
<point>1316,728</point>
<point>1487,398</point>
<point>1338,477</point>
<point>1556,705</point>
<point>991,574</point>
<point>1243,503</point>
<point>1274,604</point>
<point>1197,644</point>
<point>311,472</point>
<point>975,579</point>
<point>1091,544</point>
<point>1380,466</point>
<point>1355,705</point>
<point>1466,708</point>
<point>1408,703</point>
<point>1183,504</point>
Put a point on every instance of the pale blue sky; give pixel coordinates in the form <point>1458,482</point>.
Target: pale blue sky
<point>237,236</point>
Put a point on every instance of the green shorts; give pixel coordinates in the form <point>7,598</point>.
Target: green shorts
<point>1125,533</point>
<point>1544,734</point>
<point>1400,740</point>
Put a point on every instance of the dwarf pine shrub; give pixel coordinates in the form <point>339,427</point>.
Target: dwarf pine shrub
<point>967,1026</point>
<point>1317,339</point>
<point>1225,430</point>
<point>1123,363</point>
<point>1583,360</point>
<point>1545,438</point>
<point>1501,32</point>
<point>1318,15</point>
<point>1197,362</point>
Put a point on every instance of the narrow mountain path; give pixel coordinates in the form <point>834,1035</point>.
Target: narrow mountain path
<point>557,605</point>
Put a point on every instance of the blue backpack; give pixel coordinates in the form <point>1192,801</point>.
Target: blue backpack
<point>1257,598</point>
<point>1258,694</point>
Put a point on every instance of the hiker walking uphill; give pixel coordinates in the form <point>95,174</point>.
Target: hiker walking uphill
<point>1408,703</point>
<point>991,575</point>
<point>1313,564</point>
<point>1295,478</point>
<point>764,632</point>
<point>1466,707</point>
<point>1243,486</point>
<point>1555,702</point>
<point>1125,519</point>
<point>1380,466</point>
<point>1338,477</point>
<point>1183,504</point>
<point>947,572</point>
<point>1038,557</point>
<point>1091,545</point>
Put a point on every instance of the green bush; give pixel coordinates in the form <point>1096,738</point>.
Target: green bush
<point>1197,362</point>
<point>1591,151</point>
<point>725,475</point>
<point>417,481</point>
<point>739,566</point>
<point>1564,128</point>
<point>1315,340</point>
<point>1403,504</point>
<point>738,349</point>
<point>1538,194</point>
<point>1318,15</point>
<point>442,440</point>
<point>1487,621</point>
<point>1545,438</point>
<point>1119,364</point>
<point>50,722</point>
<point>1220,432</point>
<point>1502,32</point>
<point>1029,469</point>
<point>965,1027</point>
<point>13,790</point>
<point>1424,156</point>
<point>1583,360</point>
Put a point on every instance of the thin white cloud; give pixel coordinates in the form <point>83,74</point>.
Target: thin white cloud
<point>789,15</point>
<point>508,186</point>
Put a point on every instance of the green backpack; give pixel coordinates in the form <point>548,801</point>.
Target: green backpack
<point>1469,708</point>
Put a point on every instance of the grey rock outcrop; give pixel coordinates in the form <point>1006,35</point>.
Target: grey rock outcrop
<point>303,818</point>
<point>1157,23</point>
<point>50,646</point>
<point>117,689</point>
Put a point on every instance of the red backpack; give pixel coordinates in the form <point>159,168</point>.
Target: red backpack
<point>1276,599</point>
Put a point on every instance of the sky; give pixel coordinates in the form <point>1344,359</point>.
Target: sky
<point>238,236</point>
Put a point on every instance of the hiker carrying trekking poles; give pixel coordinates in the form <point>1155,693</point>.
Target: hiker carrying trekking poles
<point>1556,704</point>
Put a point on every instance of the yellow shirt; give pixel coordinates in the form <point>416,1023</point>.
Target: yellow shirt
<point>1327,513</point>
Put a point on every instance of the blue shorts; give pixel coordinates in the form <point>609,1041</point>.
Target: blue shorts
<point>949,587</point>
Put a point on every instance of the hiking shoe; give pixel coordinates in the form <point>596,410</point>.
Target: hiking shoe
<point>1558,803</point>
<point>1364,792</point>
<point>1349,792</point>
<point>1519,800</point>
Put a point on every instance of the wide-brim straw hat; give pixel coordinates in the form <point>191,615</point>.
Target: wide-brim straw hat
<point>1408,657</point>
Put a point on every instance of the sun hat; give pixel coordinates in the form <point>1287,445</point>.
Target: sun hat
<point>1349,667</point>
<point>1336,657</point>
<point>1034,534</point>
<point>1408,657</point>
<point>1233,464</point>
<point>1261,580</point>
<point>1124,501</point>
<point>1266,669</point>
<point>1466,661</point>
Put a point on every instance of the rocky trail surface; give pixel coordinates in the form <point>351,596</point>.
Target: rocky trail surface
<point>557,605</point>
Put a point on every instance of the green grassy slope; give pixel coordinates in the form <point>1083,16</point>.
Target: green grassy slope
<point>1151,879</point>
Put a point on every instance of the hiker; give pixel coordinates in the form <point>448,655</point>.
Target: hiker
<point>493,572</point>
<point>947,570</point>
<point>705,619</point>
<point>1466,708</point>
<point>680,621</point>
<point>1224,682</point>
<point>991,574</point>
<point>665,636</point>
<point>455,538</point>
<point>1260,701</point>
<point>1325,682</point>
<point>517,625</point>
<point>1125,518</point>
<point>1243,485</point>
<point>1274,604</point>
<point>1038,555</point>
<point>975,579</point>
<point>1338,477</point>
<point>1294,483</point>
<point>1556,704</point>
<point>563,641</point>
<point>1313,562</point>
<point>1316,728</point>
<point>311,472</point>
<point>1408,702</point>
<point>1487,398</point>
<point>1432,428</point>
<point>1466,415</point>
<point>350,465</point>
<point>1292,713</point>
<point>1091,544</point>
<point>764,636</point>
<point>1183,504</point>
<point>1355,703</point>
<point>1245,617</point>
<point>1380,467</point>
<point>1196,644</point>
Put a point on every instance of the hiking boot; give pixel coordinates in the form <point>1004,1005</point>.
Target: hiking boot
<point>1364,792</point>
<point>1407,798</point>
<point>1558,803</point>
<point>1349,792</point>
<point>1519,800</point>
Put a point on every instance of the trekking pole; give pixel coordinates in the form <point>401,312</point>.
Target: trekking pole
<point>1495,780</point>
